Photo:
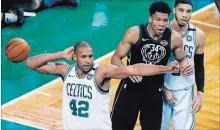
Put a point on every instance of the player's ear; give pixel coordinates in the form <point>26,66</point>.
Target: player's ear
<point>74,57</point>
<point>174,11</point>
<point>150,19</point>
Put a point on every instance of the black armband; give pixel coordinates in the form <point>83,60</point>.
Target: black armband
<point>199,71</point>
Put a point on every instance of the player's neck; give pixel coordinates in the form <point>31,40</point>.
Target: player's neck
<point>80,73</point>
<point>151,32</point>
<point>180,29</point>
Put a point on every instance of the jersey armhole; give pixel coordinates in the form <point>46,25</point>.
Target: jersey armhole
<point>194,35</point>
<point>170,39</point>
<point>99,88</point>
<point>140,35</point>
<point>67,72</point>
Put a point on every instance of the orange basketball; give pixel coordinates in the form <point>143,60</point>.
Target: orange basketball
<point>17,50</point>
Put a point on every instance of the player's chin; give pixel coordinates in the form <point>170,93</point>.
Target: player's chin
<point>183,23</point>
<point>87,69</point>
<point>159,33</point>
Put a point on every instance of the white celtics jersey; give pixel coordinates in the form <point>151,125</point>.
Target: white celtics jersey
<point>85,105</point>
<point>175,81</point>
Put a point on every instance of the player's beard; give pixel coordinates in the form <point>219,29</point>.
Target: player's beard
<point>179,20</point>
<point>81,67</point>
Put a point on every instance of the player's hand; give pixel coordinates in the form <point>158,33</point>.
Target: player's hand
<point>174,67</point>
<point>169,96</point>
<point>186,70</point>
<point>135,79</point>
<point>68,53</point>
<point>197,102</point>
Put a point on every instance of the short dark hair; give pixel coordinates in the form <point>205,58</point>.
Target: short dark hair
<point>183,2</point>
<point>81,44</point>
<point>159,6</point>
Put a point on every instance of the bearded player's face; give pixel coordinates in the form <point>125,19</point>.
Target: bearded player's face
<point>183,13</point>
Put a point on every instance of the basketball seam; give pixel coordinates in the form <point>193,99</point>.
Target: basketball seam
<point>19,54</point>
<point>12,48</point>
<point>11,43</point>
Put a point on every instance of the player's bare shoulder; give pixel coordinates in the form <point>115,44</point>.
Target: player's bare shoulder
<point>132,35</point>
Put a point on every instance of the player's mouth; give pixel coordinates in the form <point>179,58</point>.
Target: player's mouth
<point>183,20</point>
<point>160,30</point>
<point>87,66</point>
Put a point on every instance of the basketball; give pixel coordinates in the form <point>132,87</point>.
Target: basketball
<point>17,50</point>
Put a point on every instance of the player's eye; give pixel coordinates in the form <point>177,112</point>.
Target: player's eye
<point>83,56</point>
<point>157,19</point>
<point>189,11</point>
<point>165,20</point>
<point>181,10</point>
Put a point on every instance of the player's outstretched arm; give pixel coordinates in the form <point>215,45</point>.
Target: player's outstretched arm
<point>43,63</point>
<point>186,68</point>
<point>112,71</point>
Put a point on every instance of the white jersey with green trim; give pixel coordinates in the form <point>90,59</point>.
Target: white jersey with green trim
<point>175,81</point>
<point>85,105</point>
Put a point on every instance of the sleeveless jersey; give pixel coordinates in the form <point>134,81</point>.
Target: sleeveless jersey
<point>85,105</point>
<point>175,81</point>
<point>150,51</point>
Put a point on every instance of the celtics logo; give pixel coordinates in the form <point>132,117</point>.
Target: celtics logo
<point>89,76</point>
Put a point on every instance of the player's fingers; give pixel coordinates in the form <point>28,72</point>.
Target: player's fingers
<point>172,101</point>
<point>188,71</point>
<point>193,102</point>
<point>168,102</point>
<point>174,70</point>
<point>174,97</point>
<point>70,49</point>
<point>183,69</point>
<point>176,64</point>
<point>194,108</point>
<point>199,108</point>
<point>132,79</point>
